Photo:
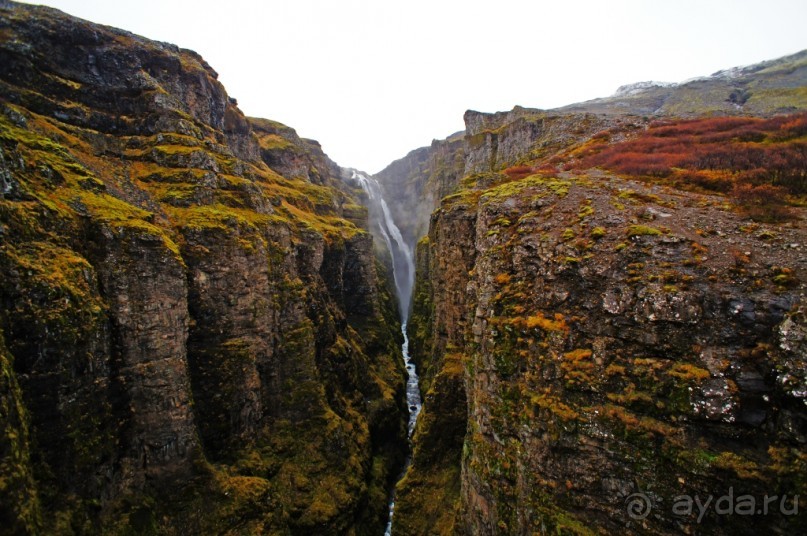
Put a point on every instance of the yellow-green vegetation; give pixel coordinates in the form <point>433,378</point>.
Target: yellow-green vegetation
<point>597,233</point>
<point>502,279</point>
<point>275,142</point>
<point>586,210</point>
<point>784,277</point>
<point>556,323</point>
<point>779,98</point>
<point>642,230</point>
<point>632,423</point>
<point>641,197</point>
<point>578,368</point>
<point>419,325</point>
<point>119,214</point>
<point>19,503</point>
<point>741,466</point>
<point>542,185</point>
<point>57,269</point>
<point>77,191</point>
<point>428,501</point>
<point>632,397</point>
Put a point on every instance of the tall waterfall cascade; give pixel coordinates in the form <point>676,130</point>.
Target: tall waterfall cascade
<point>403,272</point>
<point>403,263</point>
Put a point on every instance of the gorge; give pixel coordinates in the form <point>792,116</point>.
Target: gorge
<point>209,327</point>
<point>403,272</point>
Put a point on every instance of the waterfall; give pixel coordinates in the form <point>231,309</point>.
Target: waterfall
<point>403,273</point>
<point>403,263</point>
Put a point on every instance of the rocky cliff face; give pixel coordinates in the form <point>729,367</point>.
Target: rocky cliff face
<point>609,356</point>
<point>197,338</point>
<point>496,141</point>
<point>417,183</point>
<point>597,345</point>
<point>613,339</point>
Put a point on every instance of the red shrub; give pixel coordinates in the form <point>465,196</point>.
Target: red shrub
<point>753,150</point>
<point>519,172</point>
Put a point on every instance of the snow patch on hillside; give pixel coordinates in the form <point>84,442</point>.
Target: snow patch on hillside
<point>640,87</point>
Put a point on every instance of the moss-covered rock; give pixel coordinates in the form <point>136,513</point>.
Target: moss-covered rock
<point>196,326</point>
<point>19,501</point>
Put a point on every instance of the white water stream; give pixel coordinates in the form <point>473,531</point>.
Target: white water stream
<point>403,272</point>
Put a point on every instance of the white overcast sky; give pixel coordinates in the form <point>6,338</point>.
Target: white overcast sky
<point>374,79</point>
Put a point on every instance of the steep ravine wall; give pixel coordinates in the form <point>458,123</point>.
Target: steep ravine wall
<point>197,336</point>
<point>428,496</point>
<point>649,362</point>
<point>610,346</point>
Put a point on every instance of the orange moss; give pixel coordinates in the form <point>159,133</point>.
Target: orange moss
<point>577,355</point>
<point>502,279</point>
<point>558,323</point>
<point>688,372</point>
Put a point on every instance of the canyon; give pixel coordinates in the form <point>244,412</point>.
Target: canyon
<point>209,327</point>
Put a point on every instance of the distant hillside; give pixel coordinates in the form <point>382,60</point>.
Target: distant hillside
<point>770,87</point>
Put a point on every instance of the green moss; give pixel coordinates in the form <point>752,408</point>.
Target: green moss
<point>119,214</point>
<point>515,189</point>
<point>585,211</point>
<point>597,233</point>
<point>775,99</point>
<point>548,404</point>
<point>217,217</point>
<point>19,502</point>
<point>640,197</point>
<point>55,267</point>
<point>275,142</point>
<point>785,277</point>
<point>428,501</point>
<point>642,230</point>
<point>742,467</point>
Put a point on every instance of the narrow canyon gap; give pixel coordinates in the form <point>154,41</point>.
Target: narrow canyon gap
<point>403,269</point>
